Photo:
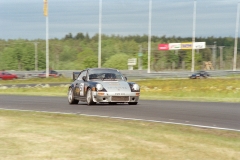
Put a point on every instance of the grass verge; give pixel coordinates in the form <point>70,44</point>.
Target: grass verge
<point>222,90</point>
<point>34,135</point>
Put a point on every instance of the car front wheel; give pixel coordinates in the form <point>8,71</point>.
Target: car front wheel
<point>89,97</point>
<point>71,99</point>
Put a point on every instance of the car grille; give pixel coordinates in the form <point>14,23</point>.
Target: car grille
<point>120,98</point>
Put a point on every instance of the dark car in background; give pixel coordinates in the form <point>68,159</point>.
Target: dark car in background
<point>102,85</point>
<point>52,73</point>
<point>199,74</point>
<point>7,76</point>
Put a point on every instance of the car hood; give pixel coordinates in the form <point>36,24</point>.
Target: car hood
<point>116,86</point>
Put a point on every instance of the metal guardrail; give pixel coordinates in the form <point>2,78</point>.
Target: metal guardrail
<point>135,74</point>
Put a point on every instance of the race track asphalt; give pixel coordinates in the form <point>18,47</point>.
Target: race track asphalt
<point>214,115</point>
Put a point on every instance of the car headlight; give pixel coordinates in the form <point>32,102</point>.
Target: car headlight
<point>135,87</point>
<point>99,87</point>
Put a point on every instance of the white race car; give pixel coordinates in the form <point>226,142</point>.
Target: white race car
<point>100,85</point>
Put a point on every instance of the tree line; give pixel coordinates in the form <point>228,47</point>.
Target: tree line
<point>76,52</point>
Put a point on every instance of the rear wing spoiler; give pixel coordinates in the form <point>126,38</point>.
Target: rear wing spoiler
<point>75,75</point>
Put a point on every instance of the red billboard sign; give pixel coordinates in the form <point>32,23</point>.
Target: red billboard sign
<point>163,47</point>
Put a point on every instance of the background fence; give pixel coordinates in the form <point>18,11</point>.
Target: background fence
<point>136,74</point>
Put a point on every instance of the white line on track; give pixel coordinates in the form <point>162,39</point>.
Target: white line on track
<point>134,119</point>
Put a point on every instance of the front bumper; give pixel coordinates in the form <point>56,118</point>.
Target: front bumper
<point>115,96</point>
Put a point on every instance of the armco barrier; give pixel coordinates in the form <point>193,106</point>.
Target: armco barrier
<point>135,74</point>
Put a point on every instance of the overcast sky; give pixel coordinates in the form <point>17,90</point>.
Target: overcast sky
<point>24,18</point>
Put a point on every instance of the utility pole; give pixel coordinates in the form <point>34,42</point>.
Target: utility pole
<point>214,54</point>
<point>193,36</point>
<point>100,34</point>
<point>236,41</point>
<point>213,51</point>
<point>140,58</point>
<point>36,56</point>
<point>149,35</point>
<point>45,12</point>
<point>221,56</point>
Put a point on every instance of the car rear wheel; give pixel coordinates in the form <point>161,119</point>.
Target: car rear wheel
<point>89,97</point>
<point>71,99</point>
<point>132,103</point>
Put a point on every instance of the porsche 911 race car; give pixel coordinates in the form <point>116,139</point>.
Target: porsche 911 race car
<point>98,85</point>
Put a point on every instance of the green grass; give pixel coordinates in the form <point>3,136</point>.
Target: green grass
<point>35,135</point>
<point>223,90</point>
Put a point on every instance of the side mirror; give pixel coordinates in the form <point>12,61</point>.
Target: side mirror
<point>84,78</point>
<point>125,78</point>
<point>75,75</point>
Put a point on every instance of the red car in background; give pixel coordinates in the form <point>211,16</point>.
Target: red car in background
<point>7,76</point>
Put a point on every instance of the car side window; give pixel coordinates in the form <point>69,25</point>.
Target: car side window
<point>53,72</point>
<point>81,75</point>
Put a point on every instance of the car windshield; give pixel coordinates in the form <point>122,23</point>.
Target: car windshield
<point>5,73</point>
<point>105,74</point>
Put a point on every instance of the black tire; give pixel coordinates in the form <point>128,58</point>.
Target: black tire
<point>112,103</point>
<point>89,98</point>
<point>132,103</point>
<point>71,99</point>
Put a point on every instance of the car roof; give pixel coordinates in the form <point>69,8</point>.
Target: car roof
<point>201,71</point>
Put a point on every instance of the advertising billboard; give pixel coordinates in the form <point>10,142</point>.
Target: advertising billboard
<point>174,46</point>
<point>186,45</point>
<point>163,47</point>
<point>199,45</point>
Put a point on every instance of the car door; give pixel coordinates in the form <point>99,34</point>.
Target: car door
<point>9,76</point>
<point>79,86</point>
